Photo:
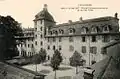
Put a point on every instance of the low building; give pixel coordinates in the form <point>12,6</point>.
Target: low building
<point>109,68</point>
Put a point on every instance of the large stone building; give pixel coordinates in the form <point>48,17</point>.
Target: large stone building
<point>85,36</point>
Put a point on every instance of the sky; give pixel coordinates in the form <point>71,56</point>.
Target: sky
<point>24,11</point>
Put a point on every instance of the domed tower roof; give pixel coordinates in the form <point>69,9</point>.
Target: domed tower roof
<point>44,14</point>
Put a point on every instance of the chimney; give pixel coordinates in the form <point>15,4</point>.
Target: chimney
<point>116,15</point>
<point>80,19</point>
<point>45,7</point>
<point>70,21</point>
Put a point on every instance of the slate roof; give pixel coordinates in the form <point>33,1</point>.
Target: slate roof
<point>87,24</point>
<point>44,14</point>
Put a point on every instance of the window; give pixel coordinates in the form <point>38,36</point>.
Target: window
<point>60,39</point>
<point>35,29</point>
<point>25,45</point>
<point>54,39</point>
<point>61,31</point>
<point>103,51</point>
<point>41,28</point>
<point>54,47</point>
<point>83,39</point>
<point>84,30</point>
<point>48,47</point>
<point>48,40</point>
<point>35,42</point>
<point>41,43</point>
<point>71,48</point>
<point>56,33</point>
<point>93,50</point>
<point>28,45</point>
<point>32,45</point>
<point>93,38</point>
<point>36,36</point>
<point>83,49</point>
<point>70,39</point>
<point>106,38</point>
<point>72,30</point>
<point>60,48</point>
<point>41,21</point>
<point>41,36</point>
<point>94,29</point>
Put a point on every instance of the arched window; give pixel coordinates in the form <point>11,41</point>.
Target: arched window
<point>84,30</point>
<point>61,31</point>
<point>56,33</point>
<point>107,28</point>
<point>71,30</point>
<point>94,29</point>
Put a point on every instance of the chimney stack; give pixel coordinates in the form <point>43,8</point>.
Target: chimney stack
<point>80,19</point>
<point>116,15</point>
<point>70,21</point>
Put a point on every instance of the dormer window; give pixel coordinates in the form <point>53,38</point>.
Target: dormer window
<point>84,30</point>
<point>50,32</point>
<point>56,33</point>
<point>61,31</point>
<point>94,29</point>
<point>107,28</point>
<point>71,30</point>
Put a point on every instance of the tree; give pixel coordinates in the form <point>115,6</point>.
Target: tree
<point>43,54</point>
<point>36,59</point>
<point>9,28</point>
<point>56,60</point>
<point>76,60</point>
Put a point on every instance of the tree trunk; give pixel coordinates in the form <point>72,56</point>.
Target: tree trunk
<point>76,70</point>
<point>36,67</point>
<point>55,75</point>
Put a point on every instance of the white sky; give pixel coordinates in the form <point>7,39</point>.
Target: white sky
<point>24,10</point>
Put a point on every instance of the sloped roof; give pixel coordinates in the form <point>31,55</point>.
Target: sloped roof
<point>99,19</point>
<point>44,14</point>
<point>109,68</point>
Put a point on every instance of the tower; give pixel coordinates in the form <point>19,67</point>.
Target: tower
<point>43,22</point>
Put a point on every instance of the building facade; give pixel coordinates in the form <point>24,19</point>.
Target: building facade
<point>85,36</point>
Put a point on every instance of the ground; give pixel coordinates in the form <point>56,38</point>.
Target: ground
<point>64,72</point>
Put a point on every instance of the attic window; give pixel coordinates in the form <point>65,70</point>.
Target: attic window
<point>71,30</point>
<point>84,30</point>
<point>107,28</point>
<point>61,31</point>
<point>56,33</point>
<point>94,29</point>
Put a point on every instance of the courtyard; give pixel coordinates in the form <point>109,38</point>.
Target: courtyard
<point>64,71</point>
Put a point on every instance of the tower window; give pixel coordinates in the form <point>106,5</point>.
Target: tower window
<point>41,21</point>
<point>41,43</point>
<point>41,28</point>
<point>32,45</point>
<point>48,39</point>
<point>41,36</point>
<point>83,39</point>
<point>60,48</point>
<point>48,47</point>
<point>35,42</point>
<point>28,45</point>
<point>60,39</point>
<point>54,39</point>
<point>54,47</point>
<point>93,38</point>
